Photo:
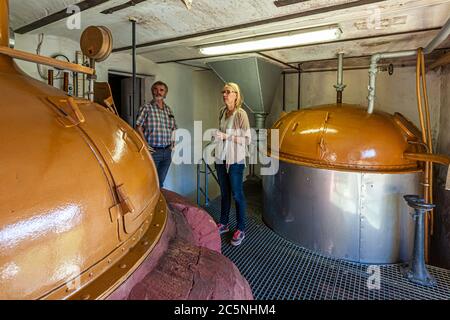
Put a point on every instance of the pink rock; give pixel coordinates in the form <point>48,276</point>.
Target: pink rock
<point>187,272</point>
<point>178,268</point>
<point>202,224</point>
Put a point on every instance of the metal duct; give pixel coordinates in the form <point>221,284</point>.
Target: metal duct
<point>258,80</point>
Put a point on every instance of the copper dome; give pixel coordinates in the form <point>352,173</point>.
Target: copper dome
<point>346,137</point>
<point>79,192</point>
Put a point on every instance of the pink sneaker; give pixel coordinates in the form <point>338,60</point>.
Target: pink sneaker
<point>238,236</point>
<point>223,228</point>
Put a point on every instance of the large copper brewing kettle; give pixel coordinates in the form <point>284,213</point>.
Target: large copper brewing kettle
<point>346,137</point>
<point>80,206</point>
<point>342,174</point>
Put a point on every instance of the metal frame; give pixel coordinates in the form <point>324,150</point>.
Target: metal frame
<point>207,170</point>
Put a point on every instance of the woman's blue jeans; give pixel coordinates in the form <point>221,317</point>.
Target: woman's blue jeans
<point>231,184</point>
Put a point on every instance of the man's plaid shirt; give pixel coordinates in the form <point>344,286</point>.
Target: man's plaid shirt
<point>158,124</point>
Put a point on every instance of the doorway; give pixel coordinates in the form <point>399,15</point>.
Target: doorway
<point>122,90</point>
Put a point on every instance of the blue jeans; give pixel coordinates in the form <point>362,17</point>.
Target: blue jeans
<point>231,183</point>
<point>162,159</point>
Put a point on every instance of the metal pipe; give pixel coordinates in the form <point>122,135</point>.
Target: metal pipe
<point>373,69</point>
<point>206,185</point>
<point>340,86</point>
<point>50,77</point>
<point>66,82</point>
<point>75,84</point>
<point>284,91</point>
<point>198,183</point>
<point>441,36</point>
<point>91,79</point>
<point>133,37</point>
<point>340,74</point>
<point>299,84</point>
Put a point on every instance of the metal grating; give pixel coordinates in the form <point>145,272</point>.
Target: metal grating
<point>278,269</point>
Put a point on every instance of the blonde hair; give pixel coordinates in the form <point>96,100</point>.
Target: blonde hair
<point>235,88</point>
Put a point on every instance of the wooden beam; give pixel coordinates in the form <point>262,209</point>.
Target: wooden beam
<point>58,64</point>
<point>442,61</point>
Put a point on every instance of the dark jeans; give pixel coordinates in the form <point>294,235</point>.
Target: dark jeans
<point>231,183</point>
<point>162,159</point>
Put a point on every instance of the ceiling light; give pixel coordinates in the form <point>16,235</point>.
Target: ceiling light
<point>275,41</point>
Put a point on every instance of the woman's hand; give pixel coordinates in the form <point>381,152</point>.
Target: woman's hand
<point>221,136</point>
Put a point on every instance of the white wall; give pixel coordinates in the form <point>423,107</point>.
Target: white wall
<point>394,93</point>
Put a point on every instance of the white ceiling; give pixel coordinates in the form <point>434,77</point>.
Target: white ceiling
<point>369,28</point>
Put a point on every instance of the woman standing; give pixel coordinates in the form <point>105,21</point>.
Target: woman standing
<point>232,137</point>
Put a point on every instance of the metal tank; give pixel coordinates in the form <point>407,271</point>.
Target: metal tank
<point>341,180</point>
<point>80,206</point>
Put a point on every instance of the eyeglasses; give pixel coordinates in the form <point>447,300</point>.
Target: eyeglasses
<point>227,91</point>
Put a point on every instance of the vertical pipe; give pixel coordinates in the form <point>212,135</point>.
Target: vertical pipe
<point>133,36</point>
<point>75,84</point>
<point>66,82</point>
<point>50,77</point>
<point>374,69</point>
<point>340,78</point>
<point>284,91</point>
<point>206,184</point>
<point>83,77</point>
<point>198,184</point>
<point>91,79</point>
<point>299,85</point>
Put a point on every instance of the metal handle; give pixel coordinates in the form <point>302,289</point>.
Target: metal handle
<point>76,110</point>
<point>70,114</point>
<point>125,202</point>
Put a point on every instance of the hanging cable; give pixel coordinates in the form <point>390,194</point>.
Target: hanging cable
<point>42,74</point>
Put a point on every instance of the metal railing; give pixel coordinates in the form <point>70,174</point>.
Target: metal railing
<point>204,169</point>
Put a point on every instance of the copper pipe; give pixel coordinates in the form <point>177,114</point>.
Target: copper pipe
<point>426,180</point>
<point>66,82</point>
<point>425,122</point>
<point>436,158</point>
<point>429,138</point>
<point>50,77</point>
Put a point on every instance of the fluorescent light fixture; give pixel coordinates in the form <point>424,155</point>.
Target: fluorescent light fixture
<point>275,41</point>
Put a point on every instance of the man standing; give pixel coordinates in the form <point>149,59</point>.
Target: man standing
<point>156,124</point>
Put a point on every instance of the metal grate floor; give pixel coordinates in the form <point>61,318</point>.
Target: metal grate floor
<point>278,269</point>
